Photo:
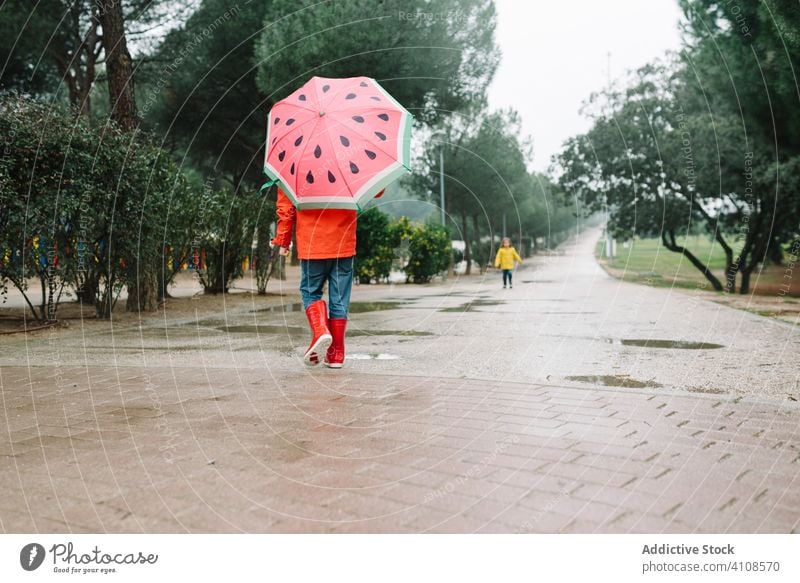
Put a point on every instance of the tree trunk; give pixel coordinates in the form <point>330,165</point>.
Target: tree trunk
<point>477,234</point>
<point>467,246</point>
<point>730,275</point>
<point>76,57</point>
<point>744,289</point>
<point>43,306</point>
<point>675,248</point>
<point>87,286</point>
<point>143,294</point>
<point>730,268</point>
<point>265,260</point>
<point>105,303</point>
<point>119,67</point>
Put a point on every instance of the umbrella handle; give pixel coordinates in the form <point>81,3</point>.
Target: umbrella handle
<point>267,184</point>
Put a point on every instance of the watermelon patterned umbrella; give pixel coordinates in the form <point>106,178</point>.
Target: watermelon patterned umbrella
<point>336,143</point>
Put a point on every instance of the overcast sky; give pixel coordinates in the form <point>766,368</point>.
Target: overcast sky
<point>555,55</point>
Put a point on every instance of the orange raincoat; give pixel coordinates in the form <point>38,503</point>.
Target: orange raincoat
<point>321,233</point>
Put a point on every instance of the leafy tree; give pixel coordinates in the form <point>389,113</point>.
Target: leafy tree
<point>433,56</point>
<point>485,175</point>
<point>742,60</point>
<point>199,90</point>
<point>83,206</point>
<point>268,261</point>
<point>429,248</point>
<point>545,213</point>
<point>693,142</point>
<point>47,44</point>
<point>227,225</point>
<point>632,161</point>
<point>376,241</point>
<point>47,190</point>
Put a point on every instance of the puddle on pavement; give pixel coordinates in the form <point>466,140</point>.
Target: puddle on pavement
<point>364,307</point>
<point>707,390</point>
<point>131,413</point>
<point>291,307</point>
<point>623,381</point>
<point>566,313</point>
<point>165,348</point>
<point>547,300</point>
<point>263,329</point>
<point>209,322</point>
<point>373,356</point>
<point>471,306</point>
<point>675,344</point>
<point>388,333</point>
<point>355,307</point>
<point>299,331</point>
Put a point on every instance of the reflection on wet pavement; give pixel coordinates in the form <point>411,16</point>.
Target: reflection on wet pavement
<point>297,330</point>
<point>471,306</point>
<point>679,344</point>
<point>614,381</point>
<point>364,307</point>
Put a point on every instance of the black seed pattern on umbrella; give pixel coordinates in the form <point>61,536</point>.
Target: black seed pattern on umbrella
<point>317,152</point>
<point>277,121</point>
<point>331,177</point>
<point>381,135</point>
<point>299,141</point>
<point>310,177</point>
<point>275,139</point>
<point>358,118</point>
<point>302,97</point>
<point>282,155</point>
<point>353,168</point>
<point>371,155</point>
<point>384,116</point>
<point>363,83</point>
<point>350,96</point>
<point>345,141</point>
<point>290,121</point>
<point>373,98</point>
<point>325,88</point>
<point>291,170</point>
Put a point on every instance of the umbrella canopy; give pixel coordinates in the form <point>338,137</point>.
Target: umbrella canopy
<point>336,143</point>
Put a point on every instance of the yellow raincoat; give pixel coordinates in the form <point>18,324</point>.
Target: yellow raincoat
<point>506,257</point>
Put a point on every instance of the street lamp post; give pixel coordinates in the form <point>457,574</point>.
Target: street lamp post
<point>440,135</point>
<point>441,181</point>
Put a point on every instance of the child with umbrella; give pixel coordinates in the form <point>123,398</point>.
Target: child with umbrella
<point>331,145</point>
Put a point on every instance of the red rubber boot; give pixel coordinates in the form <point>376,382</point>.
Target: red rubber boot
<point>334,358</point>
<point>317,314</point>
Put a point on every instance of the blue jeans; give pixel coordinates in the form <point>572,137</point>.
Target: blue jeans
<point>507,276</point>
<point>339,275</point>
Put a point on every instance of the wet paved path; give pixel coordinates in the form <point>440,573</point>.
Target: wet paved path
<point>468,408</point>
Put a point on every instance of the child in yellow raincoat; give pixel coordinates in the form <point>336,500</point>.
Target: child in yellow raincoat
<point>505,260</point>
